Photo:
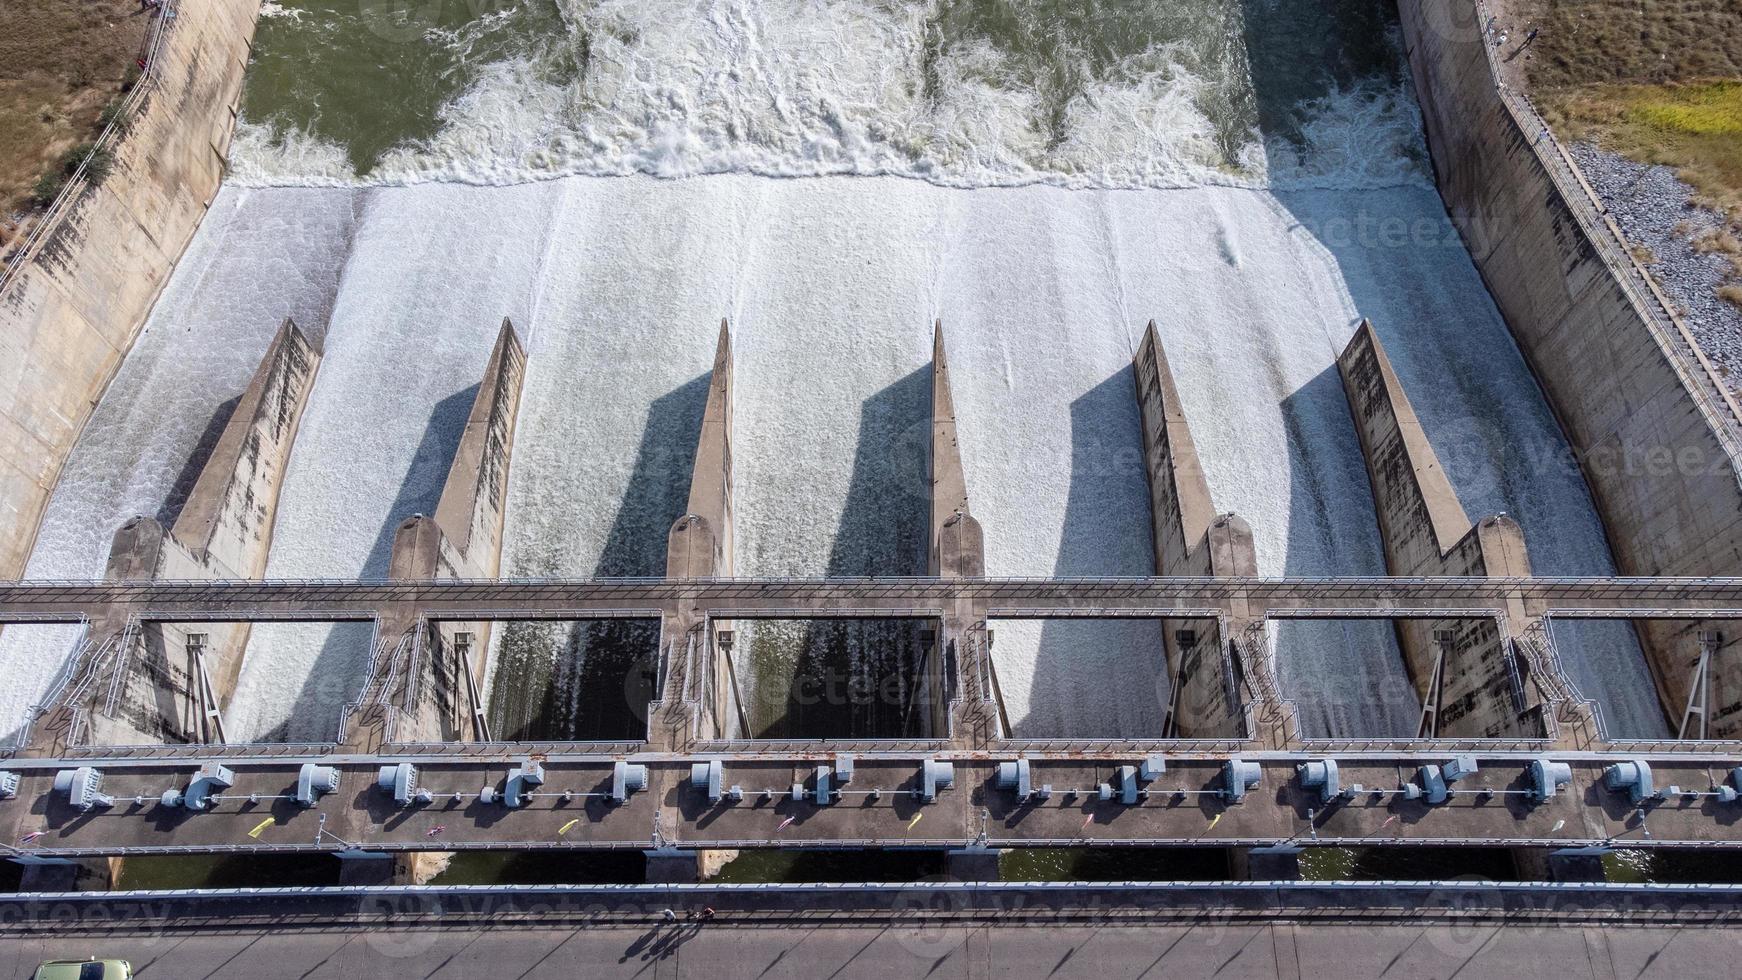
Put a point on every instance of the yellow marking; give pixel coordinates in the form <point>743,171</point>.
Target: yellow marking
<point>262,825</point>
<point>565,828</point>
<point>915,820</point>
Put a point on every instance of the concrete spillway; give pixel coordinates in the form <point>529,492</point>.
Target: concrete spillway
<point>403,359</point>
<point>832,286</point>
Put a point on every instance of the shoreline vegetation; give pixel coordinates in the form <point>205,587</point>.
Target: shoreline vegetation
<point>66,67</point>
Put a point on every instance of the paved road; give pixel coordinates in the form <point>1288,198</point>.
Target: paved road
<point>724,948</point>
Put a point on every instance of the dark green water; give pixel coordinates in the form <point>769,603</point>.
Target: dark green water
<point>543,868</point>
<point>1659,865</point>
<point>367,75</point>
<point>1406,864</point>
<point>227,871</point>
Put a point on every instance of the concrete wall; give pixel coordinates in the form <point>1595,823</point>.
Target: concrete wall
<point>73,312</point>
<point>957,546</point>
<point>1190,539</point>
<point>1426,533</point>
<point>699,545</point>
<point>956,549</point>
<point>1637,401</point>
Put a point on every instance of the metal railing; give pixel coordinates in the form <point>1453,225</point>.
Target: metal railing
<point>12,266</point>
<point>377,682</point>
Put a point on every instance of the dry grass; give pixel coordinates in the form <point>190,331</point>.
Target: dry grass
<point>1731,295</point>
<point>1658,81</point>
<point>1696,128</point>
<point>1717,240</point>
<point>1587,42</point>
<point>61,62</point>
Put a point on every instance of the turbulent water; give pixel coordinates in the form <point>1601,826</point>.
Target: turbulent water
<point>963,92</point>
<point>1045,177</point>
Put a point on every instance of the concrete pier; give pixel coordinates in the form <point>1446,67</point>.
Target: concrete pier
<point>958,546</point>
<point>1191,539</point>
<point>700,542</point>
<point>959,665</point>
<point>1464,670</point>
<point>700,696</point>
<point>151,682</point>
<point>425,683</point>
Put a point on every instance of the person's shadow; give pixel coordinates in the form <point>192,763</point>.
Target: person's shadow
<point>662,940</point>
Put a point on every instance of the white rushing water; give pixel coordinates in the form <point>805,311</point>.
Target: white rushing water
<point>1042,182</point>
<point>420,301</point>
<point>960,93</point>
<point>832,284</point>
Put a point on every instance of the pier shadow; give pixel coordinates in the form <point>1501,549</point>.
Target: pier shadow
<point>183,487</point>
<point>1347,677</point>
<point>1098,678</point>
<point>593,680</point>
<point>1300,52</point>
<point>857,678</point>
<point>338,671</point>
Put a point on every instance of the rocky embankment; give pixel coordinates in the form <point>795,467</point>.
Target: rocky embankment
<point>1691,251</point>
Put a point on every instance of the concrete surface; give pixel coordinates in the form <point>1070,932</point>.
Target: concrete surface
<point>1192,539</point>
<point>956,549</point>
<point>426,686</point>
<point>699,696</point>
<point>176,677</point>
<point>700,542</point>
<point>1180,808</point>
<point>727,946</point>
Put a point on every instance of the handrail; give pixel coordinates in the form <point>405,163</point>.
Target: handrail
<point>11,268</point>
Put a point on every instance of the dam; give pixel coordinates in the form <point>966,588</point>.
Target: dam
<point>687,461</point>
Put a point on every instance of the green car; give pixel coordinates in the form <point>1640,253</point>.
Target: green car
<point>84,970</point>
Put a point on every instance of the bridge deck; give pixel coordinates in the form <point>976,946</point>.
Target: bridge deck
<point>1172,597</point>
<point>1182,809</point>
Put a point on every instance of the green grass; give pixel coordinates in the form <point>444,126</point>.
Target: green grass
<point>1696,128</point>
<point>1698,111</point>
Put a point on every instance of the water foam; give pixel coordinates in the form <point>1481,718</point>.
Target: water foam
<point>783,89</point>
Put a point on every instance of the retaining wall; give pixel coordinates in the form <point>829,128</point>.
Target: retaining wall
<point>74,309</point>
<point>1652,430</point>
